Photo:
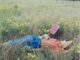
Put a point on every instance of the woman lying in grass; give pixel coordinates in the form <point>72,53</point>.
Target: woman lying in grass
<point>35,41</point>
<point>53,42</point>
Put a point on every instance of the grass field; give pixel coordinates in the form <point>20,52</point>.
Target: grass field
<point>22,14</point>
<point>22,17</point>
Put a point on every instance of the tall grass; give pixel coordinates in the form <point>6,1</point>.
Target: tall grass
<point>19,20</point>
<point>18,52</point>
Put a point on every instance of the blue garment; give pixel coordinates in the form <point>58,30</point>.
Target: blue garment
<point>29,40</point>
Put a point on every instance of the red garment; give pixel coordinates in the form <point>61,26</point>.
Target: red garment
<point>54,44</point>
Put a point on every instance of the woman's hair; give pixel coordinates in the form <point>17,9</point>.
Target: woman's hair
<point>57,35</point>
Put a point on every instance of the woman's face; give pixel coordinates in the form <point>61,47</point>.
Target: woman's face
<point>50,34</point>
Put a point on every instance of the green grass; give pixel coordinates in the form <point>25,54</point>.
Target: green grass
<point>22,17</point>
<point>35,17</point>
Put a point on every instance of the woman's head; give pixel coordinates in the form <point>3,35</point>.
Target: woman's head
<point>55,31</point>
